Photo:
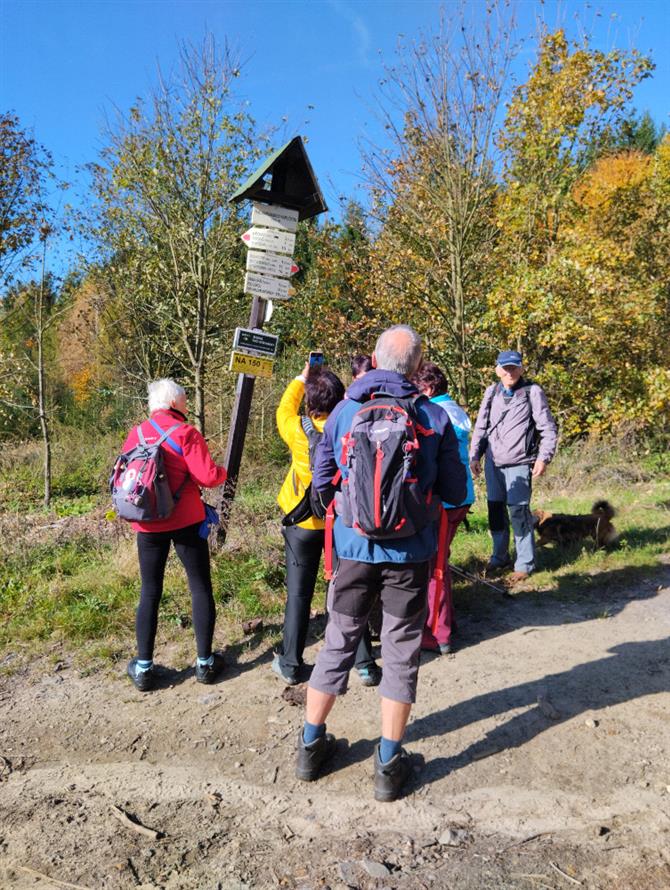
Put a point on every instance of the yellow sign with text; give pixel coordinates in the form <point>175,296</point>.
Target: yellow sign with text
<point>242,363</point>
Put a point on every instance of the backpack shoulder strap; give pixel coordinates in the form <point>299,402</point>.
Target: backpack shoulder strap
<point>165,436</point>
<point>140,436</point>
<point>489,403</point>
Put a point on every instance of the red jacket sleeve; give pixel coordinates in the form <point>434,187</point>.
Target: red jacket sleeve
<point>199,461</point>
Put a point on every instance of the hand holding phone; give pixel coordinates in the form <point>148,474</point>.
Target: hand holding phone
<point>316,359</point>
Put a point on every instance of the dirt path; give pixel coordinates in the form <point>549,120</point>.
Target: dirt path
<point>542,760</point>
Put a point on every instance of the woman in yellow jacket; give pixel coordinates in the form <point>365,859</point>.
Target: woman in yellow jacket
<point>322,390</point>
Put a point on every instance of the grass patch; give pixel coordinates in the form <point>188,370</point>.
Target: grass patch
<point>83,593</point>
<point>570,573</point>
<point>80,468</point>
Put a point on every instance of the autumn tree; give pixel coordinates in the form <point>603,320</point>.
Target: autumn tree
<point>433,189</point>
<point>28,316</point>
<point>168,238</point>
<point>574,98</point>
<point>611,337</point>
<point>24,168</point>
<point>331,308</point>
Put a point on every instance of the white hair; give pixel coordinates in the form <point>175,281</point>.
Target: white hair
<point>163,394</point>
<point>399,349</point>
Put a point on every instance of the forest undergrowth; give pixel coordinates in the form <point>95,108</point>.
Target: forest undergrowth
<point>69,577</point>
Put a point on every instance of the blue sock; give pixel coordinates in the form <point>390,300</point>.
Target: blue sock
<point>144,665</point>
<point>206,661</point>
<point>388,749</point>
<point>312,731</point>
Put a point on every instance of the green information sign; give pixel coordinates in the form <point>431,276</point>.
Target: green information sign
<point>256,342</point>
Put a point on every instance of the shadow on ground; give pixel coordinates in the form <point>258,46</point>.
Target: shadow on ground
<point>629,672</point>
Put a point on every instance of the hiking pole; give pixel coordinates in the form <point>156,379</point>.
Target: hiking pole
<point>478,580</point>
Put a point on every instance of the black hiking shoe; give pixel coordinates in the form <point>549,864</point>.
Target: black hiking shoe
<point>310,758</point>
<point>391,776</point>
<point>208,673</point>
<point>144,680</point>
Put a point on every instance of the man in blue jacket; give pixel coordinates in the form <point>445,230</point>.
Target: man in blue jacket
<point>395,570</point>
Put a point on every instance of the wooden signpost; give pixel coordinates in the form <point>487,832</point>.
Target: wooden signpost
<point>284,190</point>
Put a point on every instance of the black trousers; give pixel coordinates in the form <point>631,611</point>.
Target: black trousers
<point>303,547</point>
<point>153,549</point>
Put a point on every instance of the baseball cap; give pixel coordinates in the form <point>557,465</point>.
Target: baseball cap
<point>509,357</point>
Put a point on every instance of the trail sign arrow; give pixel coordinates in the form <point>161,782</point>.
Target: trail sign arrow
<point>274,217</point>
<point>269,239</point>
<point>267,287</point>
<point>267,263</point>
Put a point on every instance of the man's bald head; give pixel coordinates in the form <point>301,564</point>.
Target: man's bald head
<point>398,349</point>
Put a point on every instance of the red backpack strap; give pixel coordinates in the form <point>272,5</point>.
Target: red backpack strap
<point>328,537</point>
<point>328,542</point>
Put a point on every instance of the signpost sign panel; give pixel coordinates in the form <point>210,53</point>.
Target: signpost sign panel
<point>267,287</point>
<point>256,342</point>
<point>275,217</point>
<point>255,366</point>
<point>268,263</point>
<point>269,239</point>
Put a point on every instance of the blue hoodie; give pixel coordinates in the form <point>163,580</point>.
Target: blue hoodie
<point>462,426</point>
<point>438,468</point>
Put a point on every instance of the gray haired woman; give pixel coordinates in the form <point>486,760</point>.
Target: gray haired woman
<point>188,465</point>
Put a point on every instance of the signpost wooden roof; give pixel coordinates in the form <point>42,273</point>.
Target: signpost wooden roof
<point>291,181</point>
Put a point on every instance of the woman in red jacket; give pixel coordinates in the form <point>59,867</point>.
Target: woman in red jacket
<point>188,465</point>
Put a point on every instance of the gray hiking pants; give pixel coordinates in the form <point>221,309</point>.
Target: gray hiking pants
<point>402,589</point>
<point>509,488</point>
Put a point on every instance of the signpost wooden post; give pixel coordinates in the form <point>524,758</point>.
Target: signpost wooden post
<point>285,191</point>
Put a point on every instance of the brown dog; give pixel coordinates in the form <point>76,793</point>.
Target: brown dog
<point>565,528</point>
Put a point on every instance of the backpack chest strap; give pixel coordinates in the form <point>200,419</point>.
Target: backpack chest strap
<point>165,436</point>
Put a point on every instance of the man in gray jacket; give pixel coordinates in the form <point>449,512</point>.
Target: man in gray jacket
<point>517,432</point>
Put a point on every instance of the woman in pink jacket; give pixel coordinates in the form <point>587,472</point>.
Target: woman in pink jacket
<point>188,465</point>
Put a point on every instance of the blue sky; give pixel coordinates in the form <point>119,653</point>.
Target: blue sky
<point>64,62</point>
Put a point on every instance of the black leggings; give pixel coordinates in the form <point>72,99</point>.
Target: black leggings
<point>193,551</point>
<point>303,555</point>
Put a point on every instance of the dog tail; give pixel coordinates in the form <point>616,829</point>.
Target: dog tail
<point>604,509</point>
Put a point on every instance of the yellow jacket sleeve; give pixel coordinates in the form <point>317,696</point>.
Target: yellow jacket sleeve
<point>290,429</point>
<point>288,418</point>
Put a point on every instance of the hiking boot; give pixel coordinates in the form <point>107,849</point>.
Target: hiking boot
<point>391,776</point>
<point>445,648</point>
<point>208,673</point>
<point>310,758</point>
<point>371,675</point>
<point>287,676</point>
<point>144,679</point>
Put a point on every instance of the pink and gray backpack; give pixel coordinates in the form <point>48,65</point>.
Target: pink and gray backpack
<point>138,482</point>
